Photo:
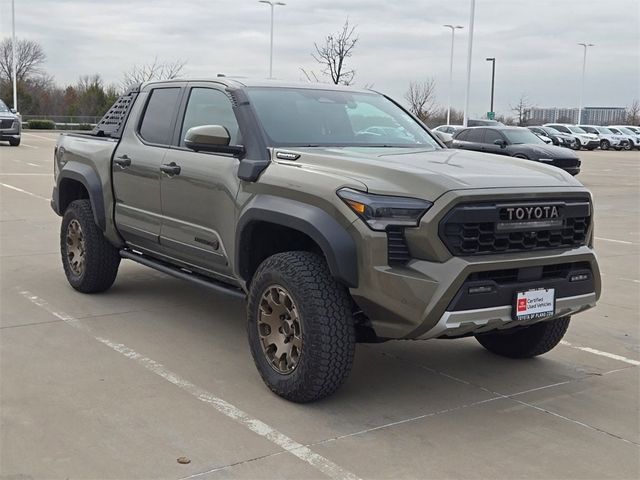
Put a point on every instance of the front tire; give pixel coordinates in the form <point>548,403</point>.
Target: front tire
<point>604,145</point>
<point>90,262</point>
<point>526,342</point>
<point>300,327</point>
<point>14,142</point>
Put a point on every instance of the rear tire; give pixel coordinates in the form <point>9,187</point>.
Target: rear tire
<point>14,142</point>
<point>318,340</point>
<point>90,262</point>
<point>604,145</point>
<point>527,342</point>
<point>627,146</point>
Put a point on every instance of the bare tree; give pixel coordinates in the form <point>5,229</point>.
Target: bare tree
<point>522,109</point>
<point>155,70</point>
<point>421,98</point>
<point>29,58</point>
<point>633,113</point>
<point>333,54</point>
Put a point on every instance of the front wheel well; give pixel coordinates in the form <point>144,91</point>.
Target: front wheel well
<point>260,240</point>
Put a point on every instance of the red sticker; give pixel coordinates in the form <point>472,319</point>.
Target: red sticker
<point>522,304</point>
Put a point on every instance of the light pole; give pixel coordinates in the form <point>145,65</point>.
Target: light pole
<point>272,5</point>
<point>493,78</point>
<point>453,31</point>
<point>584,67</point>
<point>13,55</point>
<point>472,12</point>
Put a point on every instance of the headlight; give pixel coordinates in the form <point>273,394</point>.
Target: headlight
<point>546,160</point>
<point>381,211</point>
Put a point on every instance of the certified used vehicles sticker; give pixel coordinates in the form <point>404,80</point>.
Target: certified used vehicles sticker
<point>534,304</point>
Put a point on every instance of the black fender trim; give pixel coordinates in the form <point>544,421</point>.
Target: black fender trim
<point>89,179</point>
<point>336,243</point>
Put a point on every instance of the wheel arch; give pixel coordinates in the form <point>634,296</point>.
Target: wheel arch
<point>78,181</point>
<point>304,222</point>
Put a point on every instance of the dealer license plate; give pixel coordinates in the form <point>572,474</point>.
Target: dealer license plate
<point>534,304</point>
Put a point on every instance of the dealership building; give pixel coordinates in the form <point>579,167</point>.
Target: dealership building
<point>590,115</point>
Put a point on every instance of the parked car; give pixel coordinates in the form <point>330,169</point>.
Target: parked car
<point>608,139</point>
<point>276,193</point>
<point>558,138</point>
<point>445,132</point>
<point>516,142</point>
<point>10,125</point>
<point>633,128</point>
<point>633,139</point>
<point>583,139</point>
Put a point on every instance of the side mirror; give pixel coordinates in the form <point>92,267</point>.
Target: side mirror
<point>211,138</point>
<point>501,143</point>
<point>13,110</point>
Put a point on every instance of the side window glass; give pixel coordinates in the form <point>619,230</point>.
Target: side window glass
<point>208,106</point>
<point>475,135</point>
<point>491,136</point>
<point>158,115</point>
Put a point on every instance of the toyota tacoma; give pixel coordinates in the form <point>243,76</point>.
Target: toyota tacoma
<point>335,213</point>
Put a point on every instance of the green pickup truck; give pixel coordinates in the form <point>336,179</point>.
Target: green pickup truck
<point>335,213</point>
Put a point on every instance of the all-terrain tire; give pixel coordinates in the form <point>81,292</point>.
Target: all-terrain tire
<point>527,342</point>
<point>324,308</point>
<point>101,259</point>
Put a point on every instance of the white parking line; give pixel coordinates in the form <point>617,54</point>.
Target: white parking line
<point>33,164</point>
<point>28,174</point>
<point>28,146</point>
<point>614,241</point>
<point>300,451</point>
<point>613,356</point>
<point>24,191</point>
<point>40,136</point>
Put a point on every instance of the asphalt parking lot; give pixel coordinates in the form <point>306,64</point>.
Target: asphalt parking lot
<point>121,384</point>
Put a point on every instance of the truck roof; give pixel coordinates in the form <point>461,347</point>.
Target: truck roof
<point>263,82</point>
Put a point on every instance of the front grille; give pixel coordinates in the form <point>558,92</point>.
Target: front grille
<point>512,275</point>
<point>473,229</point>
<point>6,123</point>
<point>397,250</point>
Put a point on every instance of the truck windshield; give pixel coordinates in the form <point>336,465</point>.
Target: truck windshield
<point>328,118</point>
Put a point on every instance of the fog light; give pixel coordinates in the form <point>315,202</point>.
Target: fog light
<point>481,289</point>
<point>578,278</point>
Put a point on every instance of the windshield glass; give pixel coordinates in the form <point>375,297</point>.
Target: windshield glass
<point>551,130</point>
<point>604,130</point>
<point>576,130</point>
<point>519,136</point>
<point>309,117</point>
<point>3,107</point>
<point>626,130</point>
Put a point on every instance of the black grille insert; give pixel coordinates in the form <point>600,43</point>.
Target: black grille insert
<point>397,250</point>
<point>474,229</point>
<point>6,123</point>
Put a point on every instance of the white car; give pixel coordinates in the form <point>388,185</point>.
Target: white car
<point>608,139</point>
<point>632,134</point>
<point>583,139</point>
<point>445,132</point>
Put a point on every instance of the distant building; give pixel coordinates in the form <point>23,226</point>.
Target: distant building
<point>590,115</point>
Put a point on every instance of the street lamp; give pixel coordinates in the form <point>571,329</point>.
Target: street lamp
<point>453,31</point>
<point>472,12</point>
<point>493,78</point>
<point>584,66</point>
<point>13,55</point>
<point>272,5</point>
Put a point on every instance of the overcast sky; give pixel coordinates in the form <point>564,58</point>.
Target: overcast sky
<point>534,41</point>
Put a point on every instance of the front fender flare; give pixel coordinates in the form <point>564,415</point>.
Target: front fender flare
<point>336,243</point>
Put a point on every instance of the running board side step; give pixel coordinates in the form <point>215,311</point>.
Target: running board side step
<point>182,274</point>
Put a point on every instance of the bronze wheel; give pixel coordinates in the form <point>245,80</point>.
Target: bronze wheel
<point>280,329</point>
<point>75,248</point>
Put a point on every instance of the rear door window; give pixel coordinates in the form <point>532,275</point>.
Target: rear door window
<point>157,124</point>
<point>475,135</point>
<point>491,136</point>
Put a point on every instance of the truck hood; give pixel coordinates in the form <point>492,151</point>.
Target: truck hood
<point>428,174</point>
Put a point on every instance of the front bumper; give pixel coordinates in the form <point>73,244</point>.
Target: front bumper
<point>10,134</point>
<point>420,299</point>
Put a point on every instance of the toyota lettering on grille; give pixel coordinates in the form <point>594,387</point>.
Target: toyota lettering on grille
<point>534,212</point>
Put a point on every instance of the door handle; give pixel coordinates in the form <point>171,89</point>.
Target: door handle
<point>123,161</point>
<point>170,168</point>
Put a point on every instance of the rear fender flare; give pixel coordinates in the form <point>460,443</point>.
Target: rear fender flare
<point>91,181</point>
